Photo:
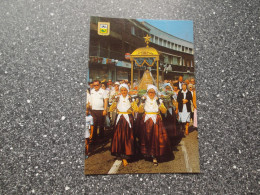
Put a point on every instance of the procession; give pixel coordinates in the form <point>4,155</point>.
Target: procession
<point>148,123</point>
<point>141,111</point>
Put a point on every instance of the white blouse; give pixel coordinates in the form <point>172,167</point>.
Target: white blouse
<point>151,106</point>
<point>123,105</point>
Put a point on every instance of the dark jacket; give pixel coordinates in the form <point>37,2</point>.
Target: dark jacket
<point>178,85</point>
<point>180,98</point>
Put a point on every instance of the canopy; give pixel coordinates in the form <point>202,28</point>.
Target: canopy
<point>145,56</point>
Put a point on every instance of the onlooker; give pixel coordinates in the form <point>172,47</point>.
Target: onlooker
<point>98,103</point>
<point>192,81</point>
<point>129,85</point>
<point>90,85</point>
<point>190,88</point>
<point>104,85</point>
<point>175,94</point>
<point>184,107</point>
<point>187,81</point>
<point>88,132</point>
<point>195,108</point>
<point>180,81</point>
<point>114,92</point>
<point>107,90</point>
<point>112,97</point>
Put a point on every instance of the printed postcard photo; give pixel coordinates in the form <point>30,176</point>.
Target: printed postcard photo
<point>141,111</point>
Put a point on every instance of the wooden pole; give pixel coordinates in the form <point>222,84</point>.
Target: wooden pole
<point>132,74</point>
<point>158,74</point>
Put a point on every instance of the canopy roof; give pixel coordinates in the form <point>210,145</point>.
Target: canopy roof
<point>145,52</point>
<point>145,55</point>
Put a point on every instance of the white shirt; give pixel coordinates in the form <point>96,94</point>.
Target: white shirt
<point>97,99</point>
<point>180,85</point>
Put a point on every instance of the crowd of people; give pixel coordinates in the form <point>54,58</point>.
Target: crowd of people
<point>149,124</point>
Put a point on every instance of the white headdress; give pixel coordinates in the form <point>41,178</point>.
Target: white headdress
<point>151,87</point>
<point>125,86</point>
<point>167,84</point>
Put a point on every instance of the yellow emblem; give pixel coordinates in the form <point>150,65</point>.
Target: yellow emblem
<point>103,28</point>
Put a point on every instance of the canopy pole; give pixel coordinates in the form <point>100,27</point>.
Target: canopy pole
<point>132,74</point>
<point>158,74</point>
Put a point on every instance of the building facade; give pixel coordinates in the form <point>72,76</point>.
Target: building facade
<point>107,53</point>
<point>176,55</point>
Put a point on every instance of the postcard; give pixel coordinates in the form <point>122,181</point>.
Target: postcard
<point>141,111</point>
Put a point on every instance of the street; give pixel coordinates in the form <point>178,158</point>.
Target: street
<point>184,159</point>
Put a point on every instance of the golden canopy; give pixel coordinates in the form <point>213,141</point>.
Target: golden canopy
<point>145,55</point>
<point>145,52</point>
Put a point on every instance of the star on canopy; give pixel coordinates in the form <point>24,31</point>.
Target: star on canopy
<point>147,40</point>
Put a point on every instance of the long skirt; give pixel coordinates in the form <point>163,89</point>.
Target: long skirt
<point>137,124</point>
<point>170,124</point>
<point>122,144</point>
<point>154,141</point>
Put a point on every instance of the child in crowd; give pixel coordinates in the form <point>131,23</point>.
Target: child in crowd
<point>88,132</point>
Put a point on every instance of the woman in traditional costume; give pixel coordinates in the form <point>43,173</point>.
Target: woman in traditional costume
<point>154,141</point>
<point>122,144</point>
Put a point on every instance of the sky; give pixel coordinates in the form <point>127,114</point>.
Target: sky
<point>179,28</point>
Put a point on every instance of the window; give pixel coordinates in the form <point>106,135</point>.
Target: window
<point>170,59</point>
<point>164,43</point>
<point>156,40</point>
<point>179,61</point>
<point>160,41</point>
<point>166,59</point>
<point>169,45</point>
<point>175,60</point>
<point>133,30</point>
<point>152,38</point>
